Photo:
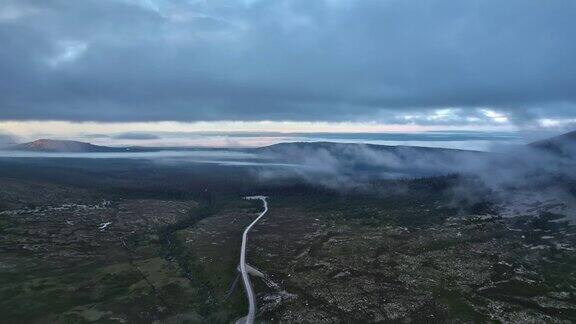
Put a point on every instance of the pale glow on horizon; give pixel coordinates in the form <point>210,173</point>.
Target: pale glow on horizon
<point>496,116</point>
<point>550,122</point>
<point>231,133</point>
<point>35,129</point>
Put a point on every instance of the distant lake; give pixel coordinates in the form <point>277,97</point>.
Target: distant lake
<point>220,157</point>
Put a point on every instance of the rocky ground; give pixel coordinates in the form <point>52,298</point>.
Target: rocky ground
<point>467,268</point>
<point>88,260</point>
<point>76,256</point>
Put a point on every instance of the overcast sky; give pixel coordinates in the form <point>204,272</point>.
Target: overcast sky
<point>424,64</point>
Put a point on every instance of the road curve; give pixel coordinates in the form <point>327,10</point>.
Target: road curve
<point>249,319</point>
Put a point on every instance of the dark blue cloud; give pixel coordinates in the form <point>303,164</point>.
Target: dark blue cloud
<point>121,60</point>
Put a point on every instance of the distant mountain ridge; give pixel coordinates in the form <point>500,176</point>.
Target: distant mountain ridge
<point>68,146</point>
<point>368,160</point>
<point>564,144</point>
<point>62,146</point>
<point>336,146</point>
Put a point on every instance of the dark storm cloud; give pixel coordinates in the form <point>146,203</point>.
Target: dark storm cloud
<point>128,60</point>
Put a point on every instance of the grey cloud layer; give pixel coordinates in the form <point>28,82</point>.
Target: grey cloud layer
<point>6,140</point>
<point>114,60</point>
<point>136,136</point>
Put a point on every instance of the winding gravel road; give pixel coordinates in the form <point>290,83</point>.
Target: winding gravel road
<point>249,319</point>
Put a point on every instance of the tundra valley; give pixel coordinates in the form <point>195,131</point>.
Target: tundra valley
<point>287,161</point>
<point>354,233</point>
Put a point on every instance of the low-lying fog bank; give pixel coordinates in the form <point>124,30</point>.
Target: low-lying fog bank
<point>509,174</point>
<point>518,178</point>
